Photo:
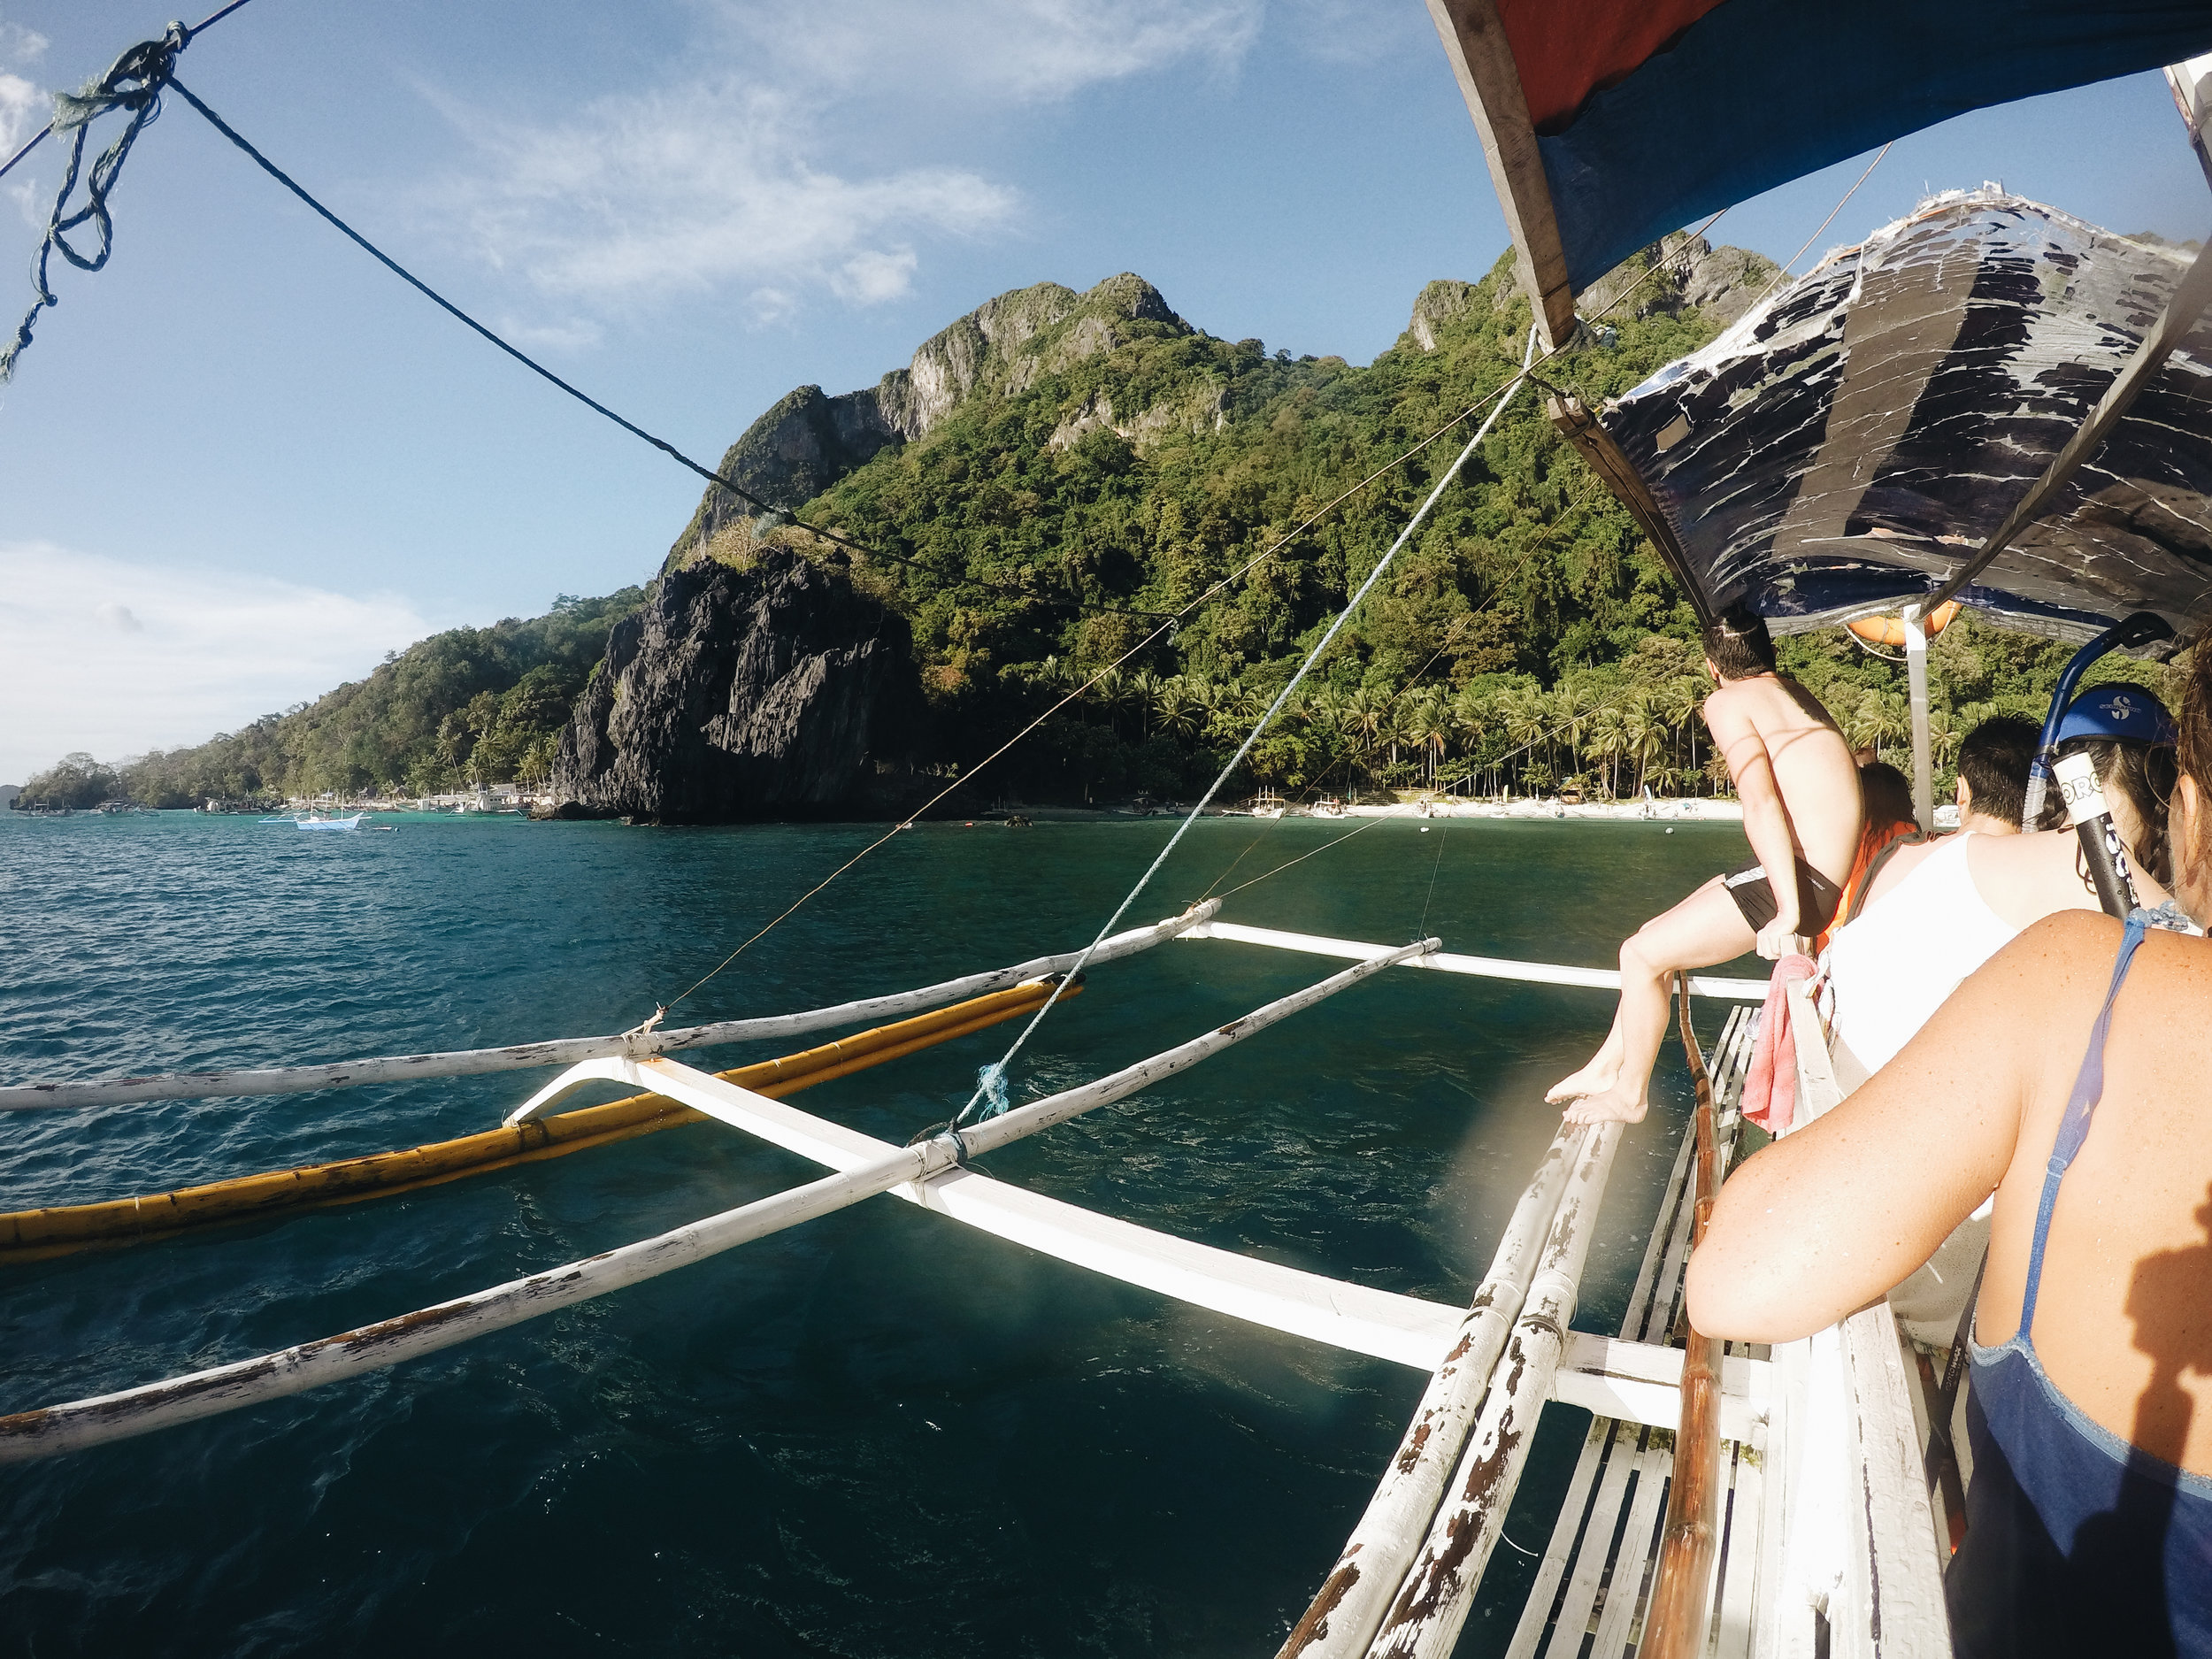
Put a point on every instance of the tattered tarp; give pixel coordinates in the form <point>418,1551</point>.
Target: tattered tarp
<point>1649,113</point>
<point>1843,447</point>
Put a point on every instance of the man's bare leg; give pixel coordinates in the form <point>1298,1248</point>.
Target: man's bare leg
<point>1704,929</point>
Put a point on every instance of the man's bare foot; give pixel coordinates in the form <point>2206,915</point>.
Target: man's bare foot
<point>1602,1073</point>
<point>1614,1104</point>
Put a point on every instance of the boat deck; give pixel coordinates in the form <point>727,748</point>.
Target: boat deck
<point>1596,1579</point>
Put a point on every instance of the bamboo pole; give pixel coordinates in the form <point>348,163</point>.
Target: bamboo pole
<point>1353,1596</point>
<point>1682,1591</point>
<point>30,1235</point>
<point>1426,1616</point>
<point>568,1050</point>
<point>129,1412</point>
<point>1452,962</point>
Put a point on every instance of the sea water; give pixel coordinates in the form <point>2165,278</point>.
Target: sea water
<point>878,1433</point>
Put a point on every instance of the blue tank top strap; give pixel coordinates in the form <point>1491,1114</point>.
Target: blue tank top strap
<point>2073,1129</point>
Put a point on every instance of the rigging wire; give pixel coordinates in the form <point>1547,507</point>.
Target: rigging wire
<point>1784,275</point>
<point>1282,542</point>
<point>781,514</point>
<point>1281,697</point>
<point>92,88</point>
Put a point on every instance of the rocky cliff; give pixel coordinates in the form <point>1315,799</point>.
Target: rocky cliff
<point>809,439</point>
<point>740,694</point>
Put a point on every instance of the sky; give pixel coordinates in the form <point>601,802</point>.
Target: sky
<point>242,463</point>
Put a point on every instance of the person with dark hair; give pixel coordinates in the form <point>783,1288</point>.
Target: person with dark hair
<point>1935,910</point>
<point>2125,729</point>
<point>1802,814</point>
<point>2073,1071</point>
<point>1993,765</point>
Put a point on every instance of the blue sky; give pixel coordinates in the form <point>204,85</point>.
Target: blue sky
<point>244,462</point>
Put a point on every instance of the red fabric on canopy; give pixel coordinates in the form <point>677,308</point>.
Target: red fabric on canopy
<point>1566,50</point>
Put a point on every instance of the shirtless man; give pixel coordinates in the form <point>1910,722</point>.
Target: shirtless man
<point>1801,813</point>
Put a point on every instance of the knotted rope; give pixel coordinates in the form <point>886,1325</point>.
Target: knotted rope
<point>132,83</point>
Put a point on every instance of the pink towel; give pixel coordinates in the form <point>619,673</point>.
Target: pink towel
<point>1769,1084</point>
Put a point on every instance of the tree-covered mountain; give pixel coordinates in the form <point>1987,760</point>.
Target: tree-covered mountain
<point>470,703</point>
<point>1057,475</point>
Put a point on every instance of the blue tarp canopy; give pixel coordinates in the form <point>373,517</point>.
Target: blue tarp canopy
<point>1608,123</point>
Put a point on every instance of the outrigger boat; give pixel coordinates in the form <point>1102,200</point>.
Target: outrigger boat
<point>1988,402</point>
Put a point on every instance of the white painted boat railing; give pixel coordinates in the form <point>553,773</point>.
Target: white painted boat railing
<point>1861,1544</point>
<point>1423,1620</point>
<point>1358,1590</point>
<point>129,1412</point>
<point>571,1050</point>
<point>1448,962</point>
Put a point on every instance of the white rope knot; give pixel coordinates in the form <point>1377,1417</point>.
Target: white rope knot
<point>644,1027</point>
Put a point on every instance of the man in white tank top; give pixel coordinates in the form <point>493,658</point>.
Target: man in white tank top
<point>1935,911</point>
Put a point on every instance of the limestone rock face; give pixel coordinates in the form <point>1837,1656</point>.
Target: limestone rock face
<point>809,440</point>
<point>740,694</point>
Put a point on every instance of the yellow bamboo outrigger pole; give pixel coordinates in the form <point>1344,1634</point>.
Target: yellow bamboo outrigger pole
<point>30,1235</point>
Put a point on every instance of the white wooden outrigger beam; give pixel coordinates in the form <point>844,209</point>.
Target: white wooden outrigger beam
<point>1449,962</point>
<point>297,1079</point>
<point>134,1411</point>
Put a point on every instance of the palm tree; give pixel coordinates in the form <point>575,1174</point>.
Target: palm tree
<point>1607,740</point>
<point>1366,718</point>
<point>1643,729</point>
<point>1430,724</point>
<point>1572,709</point>
<point>1180,709</point>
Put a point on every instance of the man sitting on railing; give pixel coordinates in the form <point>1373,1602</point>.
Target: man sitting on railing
<point>1801,812</point>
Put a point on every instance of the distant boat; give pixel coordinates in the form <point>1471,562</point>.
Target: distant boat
<point>313,823</point>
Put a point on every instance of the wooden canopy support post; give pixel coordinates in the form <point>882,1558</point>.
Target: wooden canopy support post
<point>134,1411</point>
<point>568,1051</point>
<point>1357,1591</point>
<point>1916,691</point>
<point>1482,60</point>
<point>1581,427</point>
<point>1682,1592</point>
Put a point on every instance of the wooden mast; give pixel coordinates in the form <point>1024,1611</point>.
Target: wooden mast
<point>1482,59</point>
<point>1681,1596</point>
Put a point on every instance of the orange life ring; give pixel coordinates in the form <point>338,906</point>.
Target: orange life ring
<point>1889,631</point>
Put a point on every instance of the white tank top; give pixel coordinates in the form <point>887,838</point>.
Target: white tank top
<point>1889,971</point>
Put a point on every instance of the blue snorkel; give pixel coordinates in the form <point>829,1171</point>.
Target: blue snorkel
<point>2140,629</point>
<point>2076,774</point>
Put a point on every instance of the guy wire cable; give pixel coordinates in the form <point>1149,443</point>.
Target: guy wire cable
<point>992,1073</point>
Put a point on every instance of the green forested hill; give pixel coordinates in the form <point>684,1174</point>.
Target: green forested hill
<point>1123,463</point>
<point>1057,472</point>
<point>468,702</point>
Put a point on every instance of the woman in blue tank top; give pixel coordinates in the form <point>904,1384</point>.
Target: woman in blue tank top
<point>2071,1076</point>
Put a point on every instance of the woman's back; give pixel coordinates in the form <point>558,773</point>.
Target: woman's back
<point>1835,1215</point>
<point>2089,1520</point>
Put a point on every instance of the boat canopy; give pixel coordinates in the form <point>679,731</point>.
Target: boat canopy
<point>1608,123</point>
<point>1845,446</point>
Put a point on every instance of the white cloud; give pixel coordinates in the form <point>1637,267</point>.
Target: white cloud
<point>712,180</point>
<point>1025,49</point>
<point>21,45</point>
<point>687,188</point>
<point>193,652</point>
<point>871,277</point>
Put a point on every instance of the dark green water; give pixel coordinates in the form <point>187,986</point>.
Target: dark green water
<point>879,1433</point>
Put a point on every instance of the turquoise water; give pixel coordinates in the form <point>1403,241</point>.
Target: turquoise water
<point>877,1434</point>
